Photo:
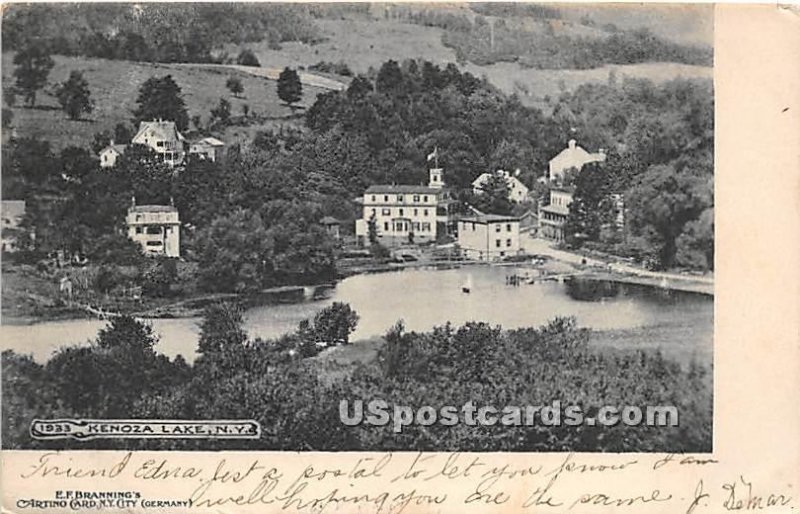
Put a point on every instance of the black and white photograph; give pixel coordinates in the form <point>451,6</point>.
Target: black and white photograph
<point>347,227</point>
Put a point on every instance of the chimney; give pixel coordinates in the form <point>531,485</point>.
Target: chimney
<point>571,144</point>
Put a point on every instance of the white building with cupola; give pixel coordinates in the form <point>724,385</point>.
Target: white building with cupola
<point>403,213</point>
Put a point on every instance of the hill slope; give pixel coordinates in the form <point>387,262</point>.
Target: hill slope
<point>114,86</point>
<point>363,44</point>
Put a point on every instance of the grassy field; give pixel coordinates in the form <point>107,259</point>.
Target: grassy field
<point>362,44</point>
<point>535,87</point>
<point>114,86</point>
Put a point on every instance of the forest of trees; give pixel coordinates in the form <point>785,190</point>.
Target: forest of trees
<point>280,384</point>
<point>527,34</point>
<point>549,50</point>
<point>197,33</point>
<point>660,141</point>
<point>158,32</point>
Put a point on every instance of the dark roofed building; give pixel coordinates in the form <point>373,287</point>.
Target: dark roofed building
<point>331,225</point>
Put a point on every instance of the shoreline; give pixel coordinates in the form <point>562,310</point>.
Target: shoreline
<point>192,306</point>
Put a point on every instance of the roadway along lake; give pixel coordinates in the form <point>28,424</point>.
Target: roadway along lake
<point>680,324</point>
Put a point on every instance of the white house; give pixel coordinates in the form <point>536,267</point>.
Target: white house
<point>163,137</point>
<point>12,212</point>
<point>156,228</point>
<point>398,210</point>
<point>209,148</point>
<point>488,237</point>
<point>573,157</point>
<point>517,191</point>
<point>553,217</point>
<point>110,154</point>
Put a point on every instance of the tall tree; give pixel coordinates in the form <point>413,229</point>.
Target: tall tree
<point>290,90</point>
<point>74,96</point>
<point>222,326</point>
<point>660,206</point>
<point>33,66</point>
<point>493,197</point>
<point>122,133</point>
<point>590,207</point>
<point>359,87</point>
<point>222,112</point>
<point>235,86</point>
<point>161,98</point>
<point>390,78</point>
<point>335,323</point>
<point>695,246</point>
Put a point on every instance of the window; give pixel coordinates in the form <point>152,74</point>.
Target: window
<point>373,198</point>
<point>154,243</point>
<point>138,230</point>
<point>473,226</point>
<point>425,212</point>
<point>497,243</point>
<point>508,227</point>
<point>399,198</point>
<point>416,198</point>
<point>502,254</point>
<point>153,229</point>
<point>426,227</point>
<point>416,226</point>
<point>508,242</point>
<point>401,212</point>
<point>385,198</point>
<point>386,211</point>
<point>416,212</point>
<point>386,226</point>
<point>425,198</point>
<point>497,228</point>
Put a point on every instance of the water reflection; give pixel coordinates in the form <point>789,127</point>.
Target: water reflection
<point>590,290</point>
<point>675,322</point>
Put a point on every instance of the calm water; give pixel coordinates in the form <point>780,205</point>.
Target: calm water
<point>681,324</point>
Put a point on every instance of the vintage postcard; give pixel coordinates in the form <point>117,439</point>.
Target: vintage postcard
<point>400,257</point>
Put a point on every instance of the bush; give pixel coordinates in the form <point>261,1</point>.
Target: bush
<point>247,58</point>
<point>339,68</point>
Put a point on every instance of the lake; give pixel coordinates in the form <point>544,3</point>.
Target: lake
<point>678,323</point>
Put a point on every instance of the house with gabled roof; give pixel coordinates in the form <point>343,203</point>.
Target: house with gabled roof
<point>164,138</point>
<point>208,148</point>
<point>12,212</point>
<point>110,154</point>
<point>517,191</point>
<point>553,217</point>
<point>573,157</point>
